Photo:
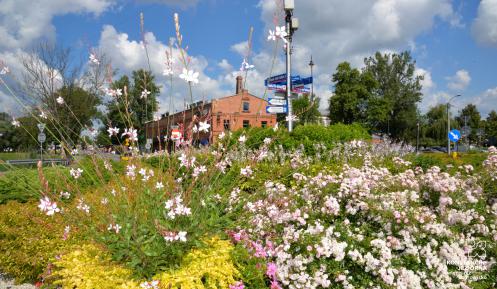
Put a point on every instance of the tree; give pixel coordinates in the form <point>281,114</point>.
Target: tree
<point>352,92</point>
<point>134,107</point>
<point>491,128</point>
<point>51,74</point>
<point>306,110</point>
<point>8,137</point>
<point>436,125</point>
<point>471,117</point>
<point>393,104</point>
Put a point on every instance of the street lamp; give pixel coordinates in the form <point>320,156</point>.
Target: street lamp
<point>292,24</point>
<point>311,64</point>
<point>448,122</point>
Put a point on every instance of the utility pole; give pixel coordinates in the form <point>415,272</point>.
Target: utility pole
<point>291,25</point>
<point>311,64</point>
<point>448,123</point>
<point>417,139</point>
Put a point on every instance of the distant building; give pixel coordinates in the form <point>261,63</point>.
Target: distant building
<point>224,114</point>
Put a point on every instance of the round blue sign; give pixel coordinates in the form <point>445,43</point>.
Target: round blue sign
<point>454,135</point>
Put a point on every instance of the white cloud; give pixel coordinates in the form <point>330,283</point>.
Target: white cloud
<point>335,30</point>
<point>459,81</point>
<point>225,65</point>
<point>427,81</point>
<point>486,101</point>
<point>24,21</point>
<point>485,25</point>
<point>179,3</point>
<point>128,55</point>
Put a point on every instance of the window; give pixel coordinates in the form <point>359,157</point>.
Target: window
<point>246,123</point>
<point>246,106</point>
<point>226,124</point>
<point>264,123</point>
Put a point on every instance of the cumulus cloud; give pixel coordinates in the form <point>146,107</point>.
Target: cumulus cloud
<point>486,101</point>
<point>485,25</point>
<point>128,55</point>
<point>24,21</point>
<point>336,30</point>
<point>178,3</point>
<point>459,81</point>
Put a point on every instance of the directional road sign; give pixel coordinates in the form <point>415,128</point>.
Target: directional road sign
<point>276,109</point>
<point>42,137</point>
<point>454,135</point>
<point>277,101</point>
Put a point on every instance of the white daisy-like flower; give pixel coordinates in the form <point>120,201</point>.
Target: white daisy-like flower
<point>189,76</point>
<point>16,123</point>
<point>60,100</point>
<point>203,126</point>
<point>145,93</point>
<point>242,138</point>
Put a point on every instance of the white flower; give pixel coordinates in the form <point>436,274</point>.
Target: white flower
<point>221,135</point>
<point>130,171</point>
<point>131,133</point>
<point>246,66</point>
<point>203,126</point>
<point>65,195</point>
<point>168,71</point>
<point>275,128</point>
<point>74,152</point>
<point>113,131</point>
<point>247,171</point>
<point>242,138</point>
<point>48,206</point>
<point>195,129</point>
<point>281,33</point>
<point>76,173</point>
<point>267,140</point>
<point>292,117</point>
<point>181,236</point>
<point>104,201</point>
<point>43,115</point>
<point>83,207</point>
<point>16,123</point>
<point>115,227</point>
<point>145,94</point>
<point>189,76</point>
<point>93,59</point>
<point>199,170</point>
<point>154,284</point>
<point>4,70</point>
<point>271,36</point>
<point>60,100</point>
<point>159,186</point>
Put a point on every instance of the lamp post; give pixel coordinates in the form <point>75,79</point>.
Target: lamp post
<point>448,122</point>
<point>41,139</point>
<point>292,24</point>
<point>311,64</point>
<point>417,138</point>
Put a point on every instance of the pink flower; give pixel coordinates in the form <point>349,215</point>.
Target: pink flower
<point>271,270</point>
<point>237,285</point>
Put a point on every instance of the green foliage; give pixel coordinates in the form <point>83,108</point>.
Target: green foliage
<point>28,240</point>
<point>491,128</point>
<point>471,117</point>
<point>399,90</point>
<point>352,92</point>
<point>307,111</point>
<point>131,109</point>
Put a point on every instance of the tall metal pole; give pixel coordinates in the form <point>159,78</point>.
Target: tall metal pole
<point>448,128</point>
<point>417,139</point>
<point>311,64</point>
<point>288,21</point>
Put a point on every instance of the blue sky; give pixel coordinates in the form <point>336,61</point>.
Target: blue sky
<point>453,41</point>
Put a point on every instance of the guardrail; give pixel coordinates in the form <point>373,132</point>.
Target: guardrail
<point>64,162</point>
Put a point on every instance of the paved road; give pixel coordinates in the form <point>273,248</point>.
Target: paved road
<point>9,284</point>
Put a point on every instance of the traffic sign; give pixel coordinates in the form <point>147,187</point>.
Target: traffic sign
<point>277,101</point>
<point>454,135</point>
<point>148,146</point>
<point>175,134</point>
<point>42,137</point>
<point>41,127</point>
<point>276,109</point>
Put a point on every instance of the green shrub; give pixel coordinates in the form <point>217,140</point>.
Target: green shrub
<point>28,240</point>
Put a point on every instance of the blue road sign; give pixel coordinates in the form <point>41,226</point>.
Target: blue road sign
<point>276,109</point>
<point>454,135</point>
<point>276,101</point>
<point>281,80</point>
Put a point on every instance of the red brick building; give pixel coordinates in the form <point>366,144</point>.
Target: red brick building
<point>224,114</point>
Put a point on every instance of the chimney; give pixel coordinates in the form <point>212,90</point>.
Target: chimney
<point>239,84</point>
